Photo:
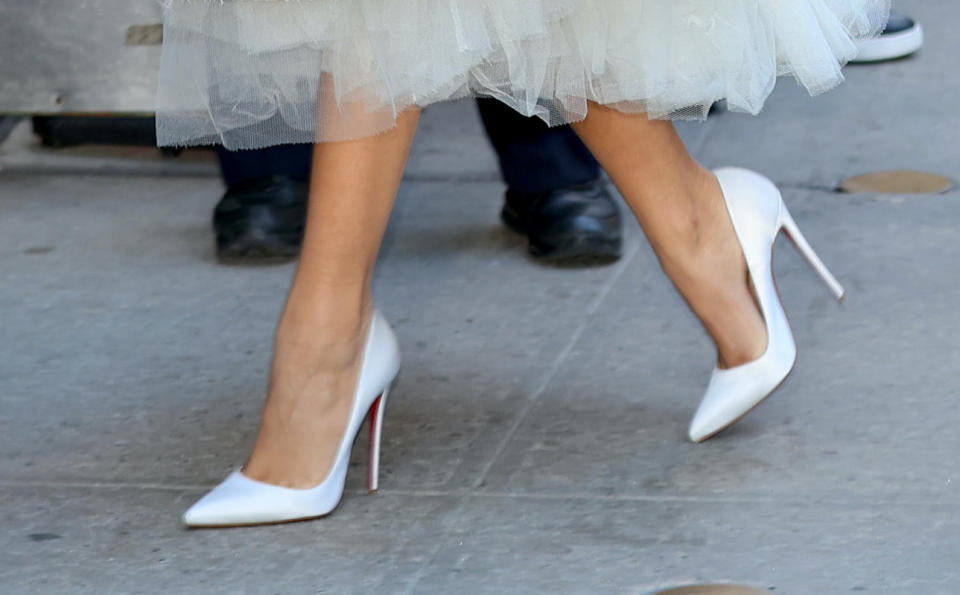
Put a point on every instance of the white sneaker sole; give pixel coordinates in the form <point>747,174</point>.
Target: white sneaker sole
<point>889,47</point>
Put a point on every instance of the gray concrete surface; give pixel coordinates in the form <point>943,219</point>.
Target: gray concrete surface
<point>535,442</point>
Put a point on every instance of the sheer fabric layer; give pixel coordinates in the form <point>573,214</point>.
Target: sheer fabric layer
<point>254,73</point>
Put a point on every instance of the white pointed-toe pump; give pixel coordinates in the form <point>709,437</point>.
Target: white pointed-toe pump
<point>758,214</point>
<point>240,500</point>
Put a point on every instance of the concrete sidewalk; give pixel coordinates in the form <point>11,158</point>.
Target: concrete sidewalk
<point>535,442</point>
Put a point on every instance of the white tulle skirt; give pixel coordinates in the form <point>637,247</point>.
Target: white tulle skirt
<point>254,73</point>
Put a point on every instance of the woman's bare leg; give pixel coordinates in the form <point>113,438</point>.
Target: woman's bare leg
<point>322,330</point>
<point>681,208</point>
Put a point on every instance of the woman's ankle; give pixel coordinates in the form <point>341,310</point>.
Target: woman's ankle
<point>706,263</point>
<point>321,336</point>
<point>317,359</point>
<point>337,313</point>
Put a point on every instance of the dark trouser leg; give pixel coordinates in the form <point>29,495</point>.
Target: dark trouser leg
<point>535,158</point>
<point>291,161</point>
<point>261,217</point>
<point>554,192</point>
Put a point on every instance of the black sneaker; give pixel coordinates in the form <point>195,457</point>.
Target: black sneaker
<point>902,37</point>
<point>261,221</point>
<point>580,224</point>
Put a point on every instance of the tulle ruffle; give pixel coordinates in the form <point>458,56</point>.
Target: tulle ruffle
<point>254,73</point>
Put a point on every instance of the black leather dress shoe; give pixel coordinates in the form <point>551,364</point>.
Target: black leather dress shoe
<point>261,221</point>
<point>578,224</point>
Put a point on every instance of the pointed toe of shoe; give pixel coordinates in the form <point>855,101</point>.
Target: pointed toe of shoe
<point>705,424</point>
<point>734,392</point>
<point>202,514</point>
<point>240,501</point>
<point>237,501</point>
<point>723,403</point>
<point>224,505</point>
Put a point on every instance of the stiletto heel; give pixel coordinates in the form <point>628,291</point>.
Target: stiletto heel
<point>758,214</point>
<point>240,500</point>
<point>793,232</point>
<point>376,430</point>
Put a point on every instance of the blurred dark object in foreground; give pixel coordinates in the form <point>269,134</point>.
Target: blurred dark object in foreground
<point>7,124</point>
<point>140,131</point>
<point>71,131</point>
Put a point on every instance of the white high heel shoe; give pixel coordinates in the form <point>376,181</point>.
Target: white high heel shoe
<point>758,215</point>
<point>240,500</point>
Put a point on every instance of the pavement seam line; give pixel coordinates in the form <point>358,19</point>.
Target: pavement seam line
<point>561,357</point>
<point>634,249</point>
<point>427,562</point>
<point>858,499</point>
